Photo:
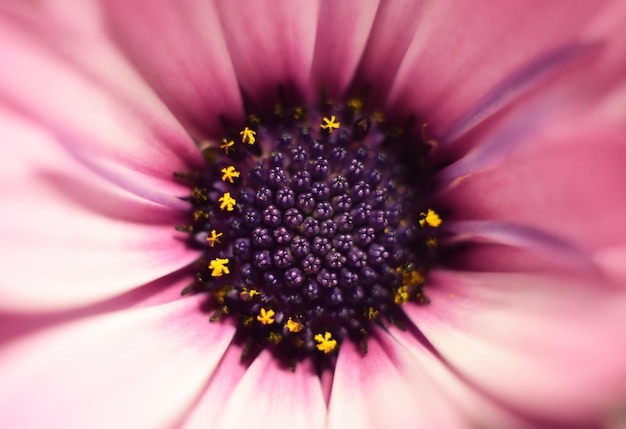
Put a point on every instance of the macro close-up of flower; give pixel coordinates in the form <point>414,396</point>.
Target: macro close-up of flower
<point>313,214</point>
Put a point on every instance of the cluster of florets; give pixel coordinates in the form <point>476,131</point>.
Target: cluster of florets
<point>311,230</point>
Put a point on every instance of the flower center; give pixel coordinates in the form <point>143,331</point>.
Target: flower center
<point>314,225</point>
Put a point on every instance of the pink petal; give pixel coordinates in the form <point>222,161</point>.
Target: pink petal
<point>270,44</point>
<point>69,237</point>
<point>540,344</point>
<point>611,259</point>
<point>462,51</point>
<point>122,129</point>
<point>136,368</point>
<point>179,48</point>
<point>478,410</point>
<point>342,32</point>
<point>566,181</point>
<point>535,241</point>
<point>385,49</point>
<point>211,403</point>
<point>275,396</point>
<point>384,389</point>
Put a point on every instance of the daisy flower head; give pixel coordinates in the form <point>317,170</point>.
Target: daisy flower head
<point>280,214</point>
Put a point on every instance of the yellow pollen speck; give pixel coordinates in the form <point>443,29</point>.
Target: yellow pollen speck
<point>219,295</point>
<point>355,104</point>
<point>229,173</point>
<point>330,124</point>
<point>219,267</point>
<point>214,238</point>
<point>325,343</point>
<point>248,136</point>
<point>254,119</point>
<point>294,326</point>
<point>246,294</point>
<point>200,214</point>
<point>227,202</point>
<point>432,242</point>
<point>199,194</point>
<point>431,218</point>
<point>274,337</point>
<point>266,317</point>
<point>226,145</point>
<point>298,112</point>
<point>401,295</point>
<point>371,313</point>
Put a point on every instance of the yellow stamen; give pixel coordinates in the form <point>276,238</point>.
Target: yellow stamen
<point>199,215</point>
<point>214,238</point>
<point>266,317</point>
<point>431,218</point>
<point>371,313</point>
<point>226,145</point>
<point>229,173</point>
<point>294,326</point>
<point>298,112</point>
<point>325,343</point>
<point>246,294</point>
<point>227,202</point>
<point>219,295</point>
<point>355,104</point>
<point>410,277</point>
<point>219,267</point>
<point>199,194</point>
<point>274,337</point>
<point>401,295</point>
<point>330,124</point>
<point>248,136</point>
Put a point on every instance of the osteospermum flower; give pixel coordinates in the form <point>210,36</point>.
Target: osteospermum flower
<point>388,214</point>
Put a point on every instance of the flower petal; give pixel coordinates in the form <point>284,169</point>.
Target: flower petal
<point>342,33</point>
<point>563,182</point>
<point>268,55</point>
<point>384,390</point>
<point>505,234</point>
<point>121,128</point>
<point>540,344</point>
<point>462,51</point>
<point>479,411</point>
<point>188,64</point>
<point>69,237</point>
<point>276,396</point>
<point>211,403</point>
<point>385,49</point>
<point>136,368</point>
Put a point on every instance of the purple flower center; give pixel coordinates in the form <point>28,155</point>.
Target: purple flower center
<point>314,225</point>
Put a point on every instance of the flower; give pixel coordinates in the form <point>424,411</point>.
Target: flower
<point>101,103</point>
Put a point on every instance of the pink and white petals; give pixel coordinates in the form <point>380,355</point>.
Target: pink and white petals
<point>385,49</point>
<point>462,51</point>
<point>275,396</point>
<point>137,368</point>
<point>266,56</point>
<point>385,389</point>
<point>209,405</point>
<point>342,32</point>
<point>179,48</point>
<point>69,237</point>
<point>540,344</point>
<point>477,410</point>
<point>122,129</point>
<point>565,181</point>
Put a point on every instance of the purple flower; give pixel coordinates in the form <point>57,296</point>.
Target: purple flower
<point>523,106</point>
